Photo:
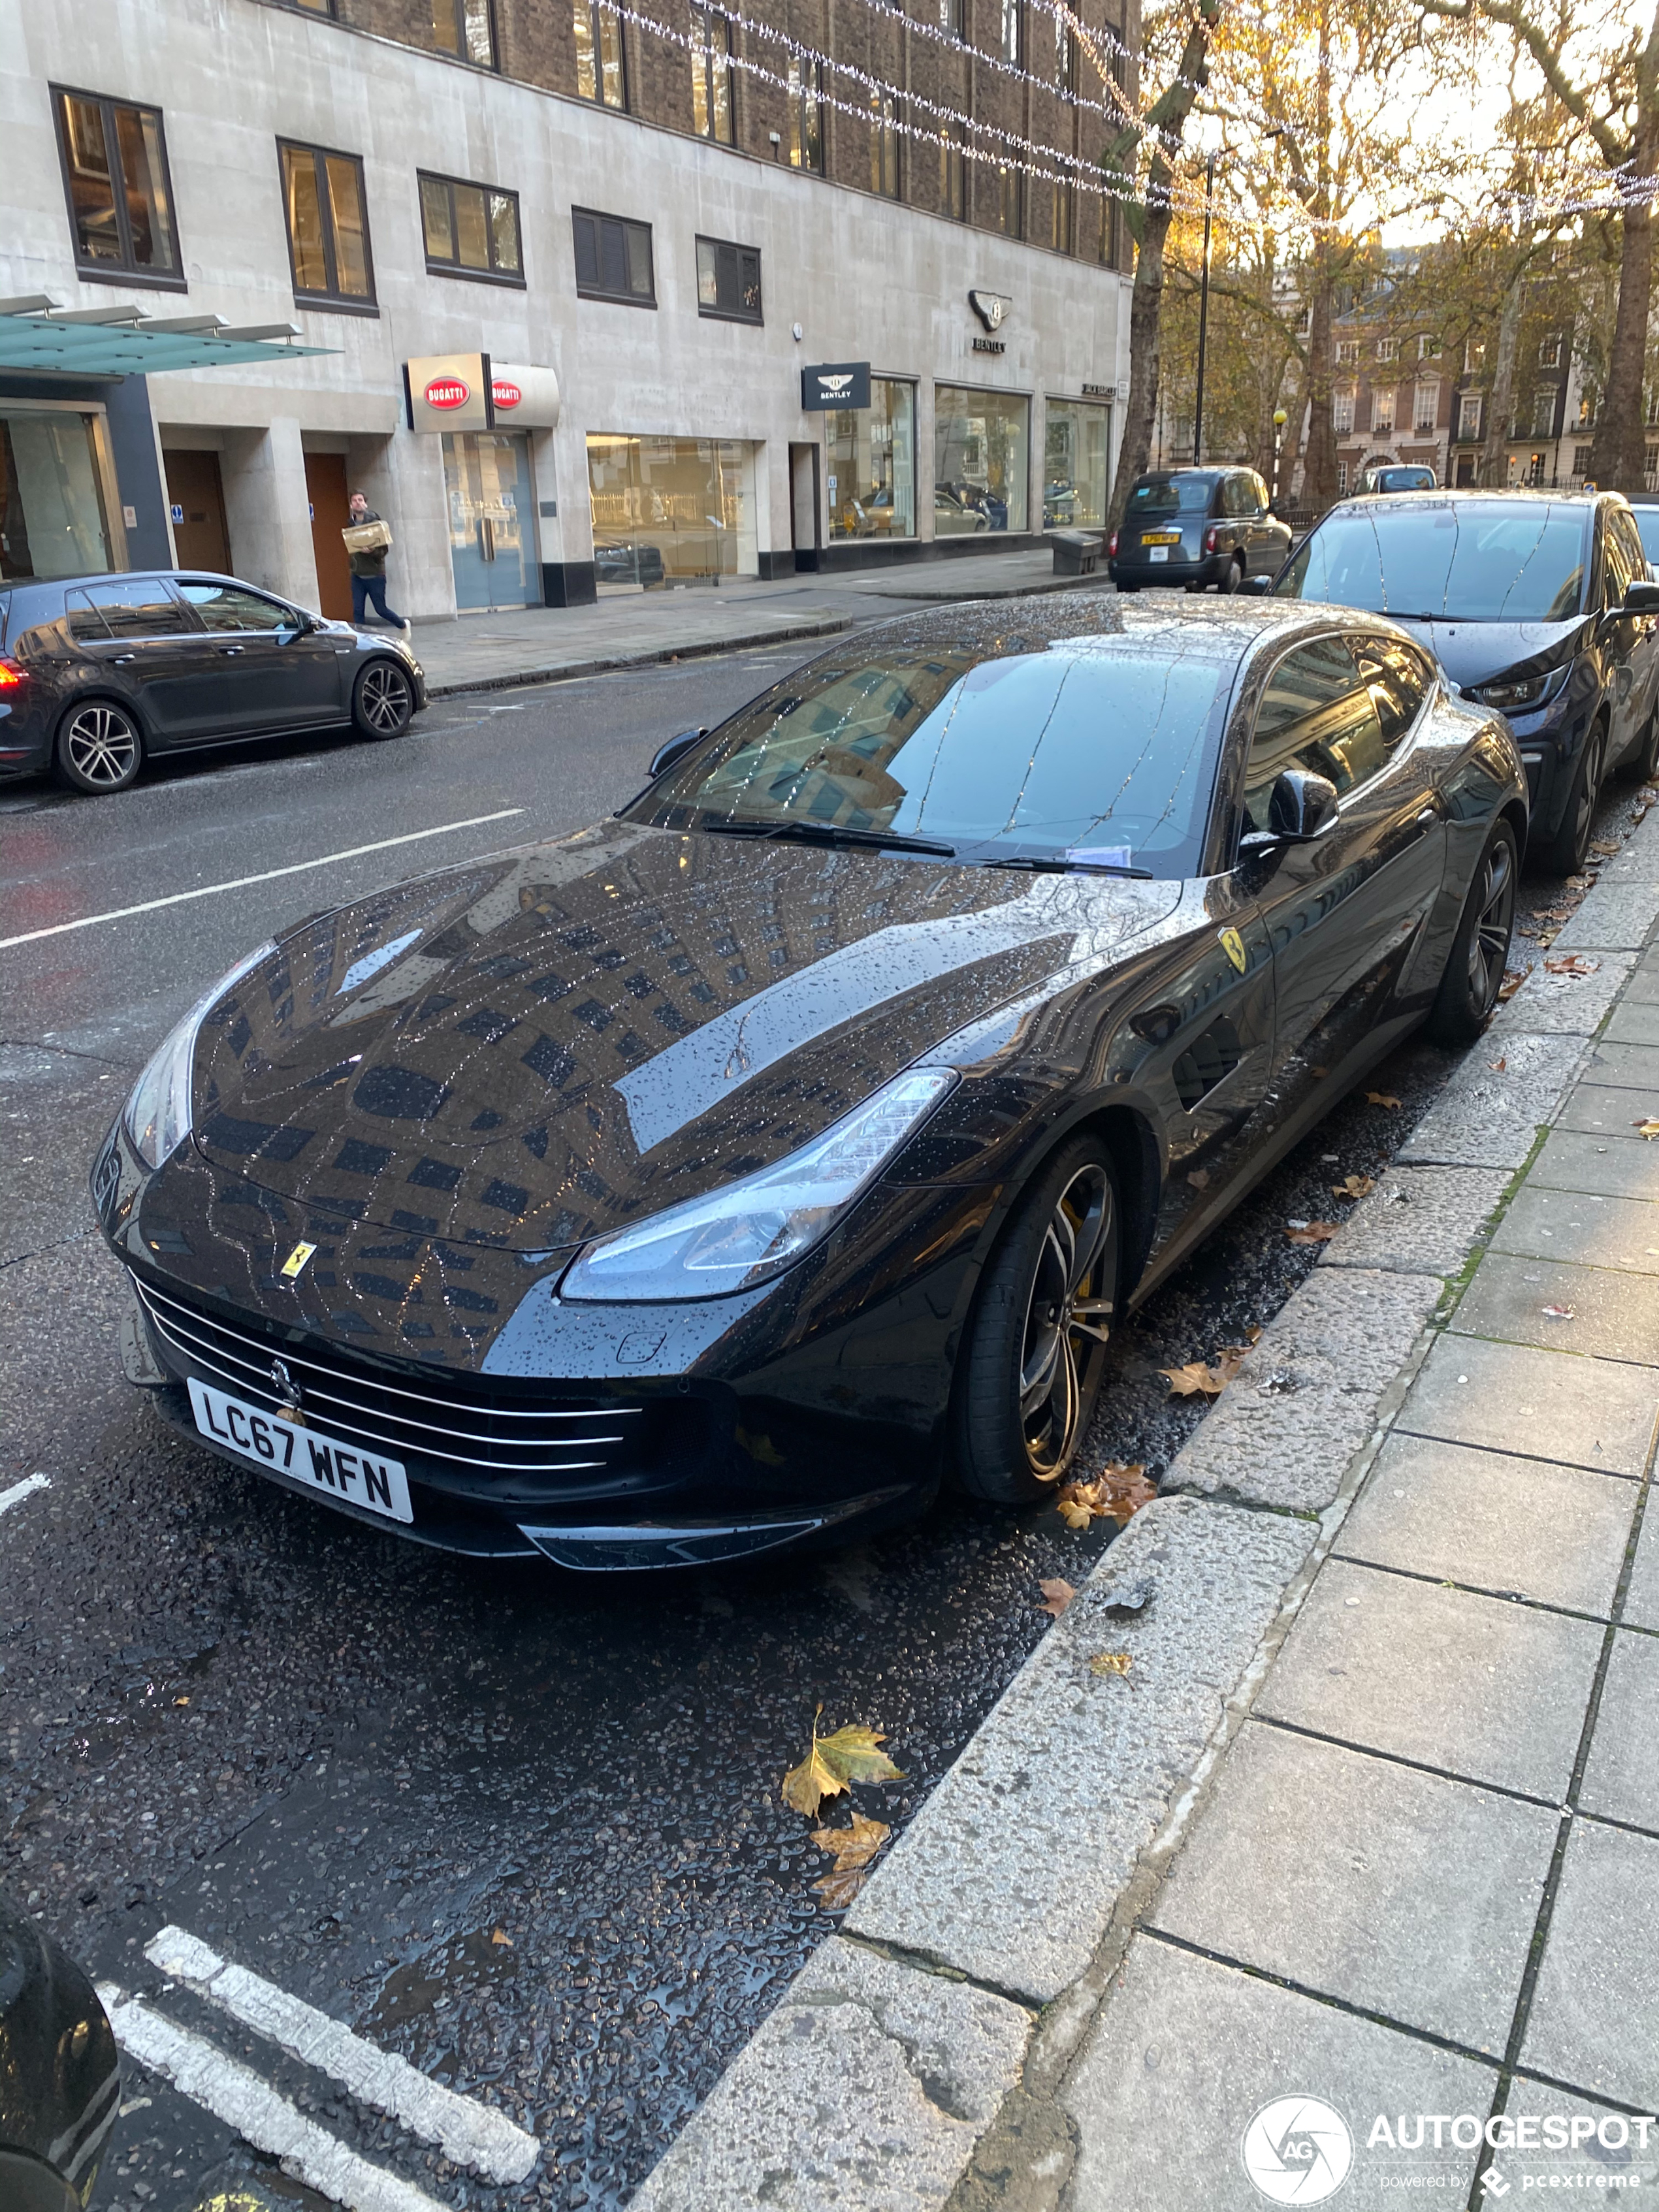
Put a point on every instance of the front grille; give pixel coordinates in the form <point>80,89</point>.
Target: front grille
<point>466,1423</point>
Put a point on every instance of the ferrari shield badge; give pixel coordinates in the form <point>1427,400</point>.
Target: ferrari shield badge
<point>1231,943</point>
<point>297,1258</point>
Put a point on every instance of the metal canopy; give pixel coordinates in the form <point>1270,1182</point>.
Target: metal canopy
<point>38,338</point>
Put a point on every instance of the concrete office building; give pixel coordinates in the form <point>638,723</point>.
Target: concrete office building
<point>647,223</point>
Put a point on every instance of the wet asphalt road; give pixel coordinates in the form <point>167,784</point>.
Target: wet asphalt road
<point>522,1828</point>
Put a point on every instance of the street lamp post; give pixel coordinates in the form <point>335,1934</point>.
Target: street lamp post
<point>1203,310</point>
<point>1280,420</point>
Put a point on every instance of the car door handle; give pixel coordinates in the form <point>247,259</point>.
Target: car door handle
<point>1428,814</point>
<point>227,650</point>
<point>122,659</point>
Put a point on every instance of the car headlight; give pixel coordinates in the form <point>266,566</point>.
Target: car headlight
<point>756,1227</point>
<point>1515,698</point>
<point>158,1112</point>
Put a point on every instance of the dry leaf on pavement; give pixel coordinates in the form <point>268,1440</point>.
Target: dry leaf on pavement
<point>1513,979</point>
<point>1498,1066</point>
<point>1354,1185</point>
<point>1571,963</point>
<point>1606,846</point>
<point>1556,1313</point>
<point>1648,1126</point>
<point>501,1936</point>
<point>1310,1232</point>
<point>849,1755</point>
<point>854,1847</point>
<point>1110,1662</point>
<point>1117,1493</point>
<point>1057,1594</point>
<point>1382,1098</point>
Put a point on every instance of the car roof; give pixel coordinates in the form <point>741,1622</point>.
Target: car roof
<point>1469,495</point>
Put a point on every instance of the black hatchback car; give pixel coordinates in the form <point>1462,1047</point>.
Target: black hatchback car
<point>1196,527</point>
<point>96,671</point>
<point>1536,603</point>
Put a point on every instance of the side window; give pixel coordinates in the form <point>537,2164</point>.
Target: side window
<point>1630,539</point>
<point>1616,556</point>
<point>1398,680</point>
<point>138,606</point>
<point>85,623</point>
<point>1317,714</point>
<point>222,606</point>
<point>1259,494</point>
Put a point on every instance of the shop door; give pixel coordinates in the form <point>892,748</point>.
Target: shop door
<point>326,490</point>
<point>491,536</point>
<point>804,505</point>
<point>197,497</point>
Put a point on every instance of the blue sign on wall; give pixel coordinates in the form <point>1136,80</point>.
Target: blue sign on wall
<point>177,513</point>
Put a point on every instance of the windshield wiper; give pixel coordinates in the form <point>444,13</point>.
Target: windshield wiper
<point>831,833</point>
<point>1055,865</point>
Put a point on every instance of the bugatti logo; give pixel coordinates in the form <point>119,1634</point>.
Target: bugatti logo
<point>295,1261</point>
<point>1297,2150</point>
<point>992,308</point>
<point>835,384</point>
<point>505,393</point>
<point>446,392</point>
<point>1233,945</point>
<point>290,1397</point>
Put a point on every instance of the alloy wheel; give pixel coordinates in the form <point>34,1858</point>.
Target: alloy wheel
<point>1066,1320</point>
<point>384,699</point>
<point>1489,941</point>
<point>1590,791</point>
<point>101,746</point>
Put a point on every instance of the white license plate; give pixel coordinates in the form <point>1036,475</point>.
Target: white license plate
<point>343,1471</point>
<point>1158,552</point>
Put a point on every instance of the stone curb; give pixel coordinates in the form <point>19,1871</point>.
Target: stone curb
<point>648,657</point>
<point>1017,1884</point>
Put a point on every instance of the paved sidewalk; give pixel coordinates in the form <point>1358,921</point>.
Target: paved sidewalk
<point>530,645</point>
<point>1360,1858</point>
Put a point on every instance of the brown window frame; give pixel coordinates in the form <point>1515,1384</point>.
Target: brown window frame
<point>125,271</point>
<point>337,303</point>
<point>461,269</point>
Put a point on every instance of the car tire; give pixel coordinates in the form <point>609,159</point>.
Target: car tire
<point>382,700</point>
<point>1480,950</point>
<point>99,747</point>
<point>1027,1381</point>
<point>1566,852</point>
<point>1642,764</point>
<point>1232,577</point>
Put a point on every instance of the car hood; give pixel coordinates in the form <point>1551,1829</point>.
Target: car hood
<point>1476,653</point>
<point>535,1049</point>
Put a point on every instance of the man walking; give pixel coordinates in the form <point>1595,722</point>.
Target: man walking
<point>368,571</point>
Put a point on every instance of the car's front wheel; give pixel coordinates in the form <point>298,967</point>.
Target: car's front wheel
<point>99,747</point>
<point>1567,851</point>
<point>382,700</point>
<point>1480,950</point>
<point>1037,1344</point>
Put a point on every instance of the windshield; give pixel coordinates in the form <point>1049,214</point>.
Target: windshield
<point>1103,752</point>
<point>1170,495</point>
<point>1467,560</point>
<point>1404,480</point>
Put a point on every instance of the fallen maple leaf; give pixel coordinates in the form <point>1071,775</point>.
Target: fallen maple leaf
<point>1354,1185</point>
<point>854,1847</point>
<point>1648,1127</point>
<point>1382,1098</point>
<point>1057,1594</point>
<point>1498,1066</point>
<point>849,1755</point>
<point>1513,979</point>
<point>1556,1313</point>
<point>1110,1662</point>
<point>501,1936</point>
<point>1117,1493</point>
<point>1310,1232</point>
<point>1571,963</point>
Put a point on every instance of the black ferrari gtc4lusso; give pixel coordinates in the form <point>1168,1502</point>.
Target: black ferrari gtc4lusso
<point>729,1173</point>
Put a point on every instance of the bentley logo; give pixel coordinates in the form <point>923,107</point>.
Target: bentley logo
<point>837,385</point>
<point>992,308</point>
<point>1233,945</point>
<point>295,1261</point>
<point>290,1397</point>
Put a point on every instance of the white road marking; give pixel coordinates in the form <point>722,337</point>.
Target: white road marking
<point>238,2097</point>
<point>471,2133</point>
<point>265,876</point>
<point>20,1491</point>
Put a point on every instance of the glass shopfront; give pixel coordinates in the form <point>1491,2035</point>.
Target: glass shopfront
<point>51,510</point>
<point>981,441</point>
<point>870,458</point>
<point>671,511</point>
<point>491,532</point>
<point>1076,459</point>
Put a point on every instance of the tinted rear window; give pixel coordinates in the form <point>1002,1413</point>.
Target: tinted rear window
<point>25,609</point>
<point>1170,495</point>
<point>138,606</point>
<point>1499,559</point>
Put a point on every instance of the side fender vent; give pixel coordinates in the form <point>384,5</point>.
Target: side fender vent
<point>1210,1057</point>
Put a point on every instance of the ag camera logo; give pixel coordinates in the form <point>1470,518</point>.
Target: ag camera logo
<point>1297,2150</point>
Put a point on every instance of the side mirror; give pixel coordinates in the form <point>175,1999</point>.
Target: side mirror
<point>1301,806</point>
<point>676,749</point>
<point>1640,599</point>
<point>1255,587</point>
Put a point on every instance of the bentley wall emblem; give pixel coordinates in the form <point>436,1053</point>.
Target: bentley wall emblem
<point>992,308</point>
<point>1233,945</point>
<point>295,1261</point>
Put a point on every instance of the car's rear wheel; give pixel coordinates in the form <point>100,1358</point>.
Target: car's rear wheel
<point>1037,1344</point>
<point>1480,950</point>
<point>1566,852</point>
<point>99,747</point>
<point>382,700</point>
<point>1233,576</point>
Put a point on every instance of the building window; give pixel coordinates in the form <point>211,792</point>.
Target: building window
<point>1062,218</point>
<point>669,510</point>
<point>1342,412</point>
<point>885,142</point>
<point>1581,460</point>
<point>870,456</point>
<point>462,27</point>
<point>1649,472</point>
<point>1342,478</point>
<point>1382,412</point>
<point>600,75</point>
<point>1543,411</point>
<point>950,17</point>
<point>1065,55</point>
<point>1111,229</point>
<point>1474,357</point>
<point>1428,349</point>
<point>1468,416</point>
<point>120,201</point>
<point>806,113</point>
<point>1388,349</point>
<point>1549,353</point>
<point>1077,447</point>
<point>327,226</point>
<point>953,173</point>
<point>1008,209</point>
<point>1586,412</point>
<point>981,444</point>
<point>1347,352</point>
<point>613,259</point>
<point>728,281</point>
<point>1535,470</point>
<point>1013,28</point>
<point>471,230</point>
<point>1427,407</point>
<point>711,75</point>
